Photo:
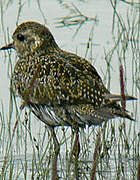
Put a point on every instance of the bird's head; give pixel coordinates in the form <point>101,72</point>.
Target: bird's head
<point>31,38</point>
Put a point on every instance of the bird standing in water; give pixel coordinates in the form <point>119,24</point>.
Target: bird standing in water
<point>59,87</point>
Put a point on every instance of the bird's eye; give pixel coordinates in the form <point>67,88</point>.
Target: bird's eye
<point>20,37</point>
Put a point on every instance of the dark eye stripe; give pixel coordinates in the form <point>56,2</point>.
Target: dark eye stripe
<point>20,37</point>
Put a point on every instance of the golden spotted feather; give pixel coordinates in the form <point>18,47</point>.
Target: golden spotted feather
<point>59,87</point>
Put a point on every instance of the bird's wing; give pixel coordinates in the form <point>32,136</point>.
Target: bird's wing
<point>67,80</point>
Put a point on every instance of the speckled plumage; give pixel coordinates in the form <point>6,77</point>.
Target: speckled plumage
<point>59,87</point>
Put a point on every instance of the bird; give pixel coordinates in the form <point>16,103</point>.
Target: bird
<point>59,87</point>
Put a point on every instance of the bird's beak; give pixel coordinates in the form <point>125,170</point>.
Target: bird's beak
<point>8,46</point>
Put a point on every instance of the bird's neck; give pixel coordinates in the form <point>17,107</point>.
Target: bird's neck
<point>47,49</point>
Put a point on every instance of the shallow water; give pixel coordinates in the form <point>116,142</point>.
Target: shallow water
<point>103,42</point>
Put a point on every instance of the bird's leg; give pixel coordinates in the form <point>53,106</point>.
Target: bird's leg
<point>56,152</point>
<point>76,147</point>
<point>75,152</point>
<point>96,155</point>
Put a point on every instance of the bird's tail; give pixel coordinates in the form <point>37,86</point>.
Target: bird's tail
<point>117,109</point>
<point>116,97</point>
<point>124,114</point>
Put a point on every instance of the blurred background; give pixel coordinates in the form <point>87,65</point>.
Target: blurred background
<point>106,33</point>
